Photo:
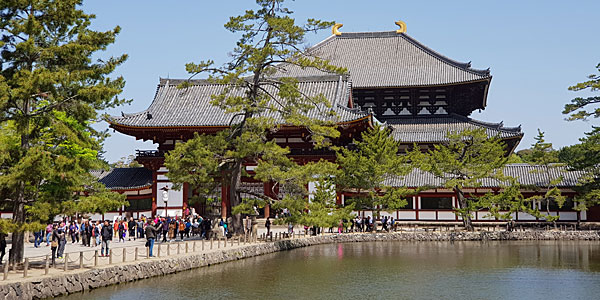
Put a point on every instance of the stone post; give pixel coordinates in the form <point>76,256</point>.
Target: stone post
<point>136,254</point>
<point>46,266</point>
<point>110,256</point>
<point>5,270</point>
<point>124,254</point>
<point>66,262</point>
<point>81,260</point>
<point>25,267</point>
<point>95,258</point>
<point>158,250</point>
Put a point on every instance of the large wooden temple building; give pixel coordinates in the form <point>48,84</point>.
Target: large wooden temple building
<point>392,79</point>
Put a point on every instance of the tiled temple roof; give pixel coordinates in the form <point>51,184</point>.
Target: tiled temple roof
<point>531,175</point>
<point>387,59</point>
<point>434,129</point>
<point>190,106</point>
<point>124,178</point>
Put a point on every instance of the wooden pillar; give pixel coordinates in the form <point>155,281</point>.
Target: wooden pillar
<point>338,198</point>
<point>224,200</point>
<point>417,206</point>
<point>185,199</point>
<point>154,192</point>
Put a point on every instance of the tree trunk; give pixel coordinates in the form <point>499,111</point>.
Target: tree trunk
<point>462,202</point>
<point>235,199</point>
<point>17,250</point>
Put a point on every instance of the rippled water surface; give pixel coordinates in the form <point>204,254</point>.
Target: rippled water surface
<point>388,270</point>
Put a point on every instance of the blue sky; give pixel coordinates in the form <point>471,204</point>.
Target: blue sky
<point>535,49</point>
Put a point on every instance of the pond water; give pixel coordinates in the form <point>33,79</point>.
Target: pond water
<point>388,270</point>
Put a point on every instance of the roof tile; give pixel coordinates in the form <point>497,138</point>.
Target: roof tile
<point>387,59</point>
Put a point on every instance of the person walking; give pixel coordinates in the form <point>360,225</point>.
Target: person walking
<point>188,227</point>
<point>181,227</point>
<point>165,229</point>
<point>140,227</point>
<point>207,228</point>
<point>150,233</point>
<point>89,228</point>
<point>38,238</point>
<point>49,229</point>
<point>83,231</point>
<point>122,231</point>
<point>54,244</point>
<point>62,240</point>
<point>2,246</point>
<point>73,232</point>
<point>107,235</point>
<point>268,226</point>
<point>97,235</point>
<point>131,227</point>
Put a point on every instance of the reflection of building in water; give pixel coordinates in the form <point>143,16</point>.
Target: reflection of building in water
<point>393,78</point>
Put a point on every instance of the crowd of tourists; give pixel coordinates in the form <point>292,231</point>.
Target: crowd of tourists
<point>91,234</point>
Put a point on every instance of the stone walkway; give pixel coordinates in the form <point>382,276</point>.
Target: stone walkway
<point>81,258</point>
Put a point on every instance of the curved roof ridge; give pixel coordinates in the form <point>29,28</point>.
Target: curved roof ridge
<point>392,34</point>
<point>461,65</point>
<point>352,110</point>
<point>499,126</point>
<point>310,78</point>
<point>321,43</point>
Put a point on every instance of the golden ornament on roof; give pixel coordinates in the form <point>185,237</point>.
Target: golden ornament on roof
<point>334,29</point>
<point>402,27</point>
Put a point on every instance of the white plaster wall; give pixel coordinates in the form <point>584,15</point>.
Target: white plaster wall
<point>446,215</point>
<point>568,216</point>
<point>383,214</point>
<point>526,217</point>
<point>408,215</point>
<point>426,215</point>
<point>484,216</point>
<point>170,212</point>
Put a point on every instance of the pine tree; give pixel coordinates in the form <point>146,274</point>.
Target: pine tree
<point>464,161</point>
<point>50,91</point>
<point>544,157</point>
<point>269,36</point>
<point>368,167</point>
<point>577,109</point>
<point>585,157</point>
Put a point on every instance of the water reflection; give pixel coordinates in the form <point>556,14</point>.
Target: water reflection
<point>399,270</point>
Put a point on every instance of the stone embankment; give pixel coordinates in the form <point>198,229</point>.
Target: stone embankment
<point>46,287</point>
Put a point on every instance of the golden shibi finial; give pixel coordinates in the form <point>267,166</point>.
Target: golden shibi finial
<point>335,29</point>
<point>402,27</point>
